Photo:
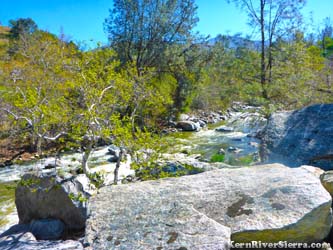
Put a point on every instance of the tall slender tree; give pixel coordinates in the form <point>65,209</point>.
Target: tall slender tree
<point>275,19</point>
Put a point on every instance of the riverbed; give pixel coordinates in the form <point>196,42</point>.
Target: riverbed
<point>236,147</point>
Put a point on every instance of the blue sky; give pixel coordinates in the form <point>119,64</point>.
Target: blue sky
<point>82,20</point>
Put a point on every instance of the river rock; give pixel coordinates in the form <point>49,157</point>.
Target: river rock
<point>184,117</point>
<point>188,126</point>
<point>302,137</point>
<point>224,129</point>
<point>221,151</point>
<point>268,203</point>
<point>44,197</point>
<point>114,151</point>
<point>327,180</point>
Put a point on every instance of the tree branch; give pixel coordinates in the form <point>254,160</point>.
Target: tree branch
<point>54,138</point>
<point>17,117</point>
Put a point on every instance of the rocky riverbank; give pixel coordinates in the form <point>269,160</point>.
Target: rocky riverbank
<point>204,211</point>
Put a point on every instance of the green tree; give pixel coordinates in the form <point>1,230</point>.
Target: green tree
<point>35,86</point>
<point>326,38</point>
<point>141,30</point>
<point>185,65</point>
<point>156,37</point>
<point>274,20</point>
<point>93,99</point>
<point>22,26</point>
<point>296,71</point>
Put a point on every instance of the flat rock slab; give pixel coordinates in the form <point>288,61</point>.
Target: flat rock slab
<point>268,203</point>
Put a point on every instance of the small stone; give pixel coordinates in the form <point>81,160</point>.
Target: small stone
<point>114,151</point>
<point>232,149</point>
<point>254,144</point>
<point>221,151</point>
<point>224,129</point>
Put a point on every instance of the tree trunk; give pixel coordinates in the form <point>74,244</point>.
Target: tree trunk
<point>263,55</point>
<point>39,145</point>
<point>116,170</point>
<point>33,142</point>
<point>85,157</point>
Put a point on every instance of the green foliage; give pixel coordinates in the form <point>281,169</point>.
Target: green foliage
<point>36,86</point>
<point>154,172</point>
<point>29,182</point>
<point>299,75</point>
<point>241,161</point>
<point>141,31</point>
<point>96,178</point>
<point>79,197</point>
<point>217,158</point>
<point>22,27</point>
<point>155,69</point>
<point>156,37</point>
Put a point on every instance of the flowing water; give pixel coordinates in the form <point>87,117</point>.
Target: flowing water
<point>8,214</point>
<point>239,148</point>
<point>9,176</point>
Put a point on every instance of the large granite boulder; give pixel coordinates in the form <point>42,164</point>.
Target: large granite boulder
<point>51,197</point>
<point>301,137</point>
<point>268,203</point>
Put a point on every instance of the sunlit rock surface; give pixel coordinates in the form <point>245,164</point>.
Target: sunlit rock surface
<point>268,203</point>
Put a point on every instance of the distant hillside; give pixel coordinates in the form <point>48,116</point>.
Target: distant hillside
<point>4,35</point>
<point>235,41</point>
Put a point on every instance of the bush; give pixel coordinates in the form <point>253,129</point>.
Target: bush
<point>217,158</point>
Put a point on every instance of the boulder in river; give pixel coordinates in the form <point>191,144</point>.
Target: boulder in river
<point>268,203</point>
<point>302,137</point>
<point>188,126</point>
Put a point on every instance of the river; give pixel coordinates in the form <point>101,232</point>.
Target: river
<point>239,149</point>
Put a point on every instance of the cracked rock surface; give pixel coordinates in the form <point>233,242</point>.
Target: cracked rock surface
<point>205,211</point>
